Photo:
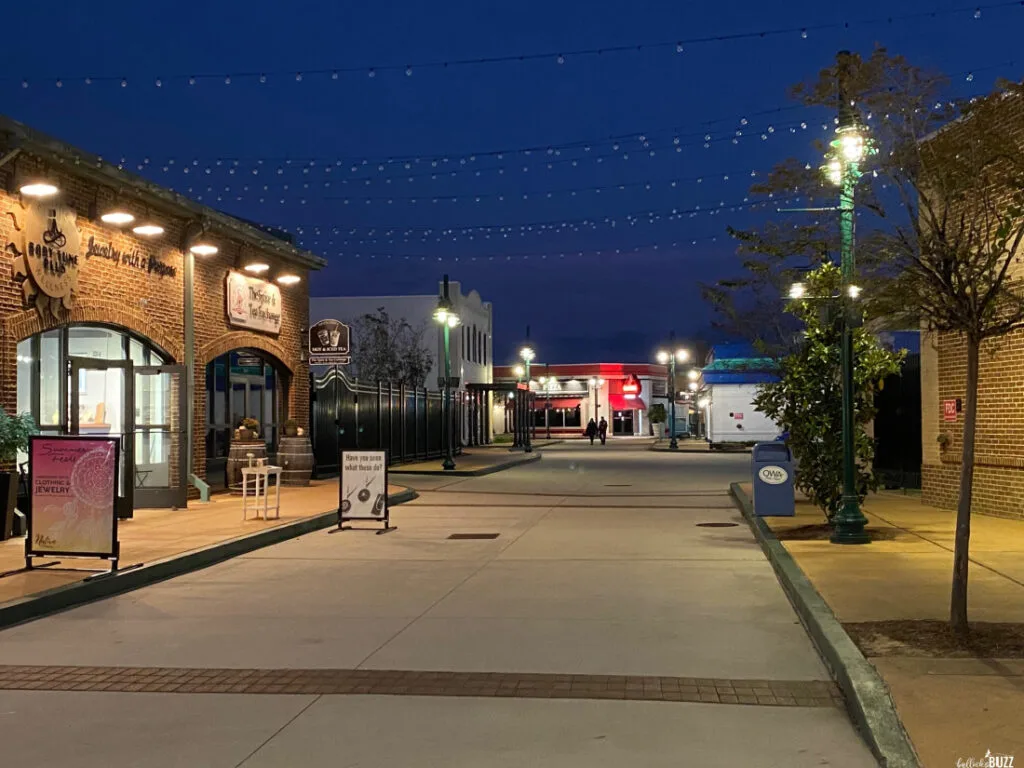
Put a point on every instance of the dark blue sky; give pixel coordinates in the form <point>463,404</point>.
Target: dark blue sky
<point>613,295</point>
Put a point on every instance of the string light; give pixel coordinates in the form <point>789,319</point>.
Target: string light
<point>559,56</point>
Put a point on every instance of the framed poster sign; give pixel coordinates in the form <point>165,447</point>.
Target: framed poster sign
<point>363,488</point>
<point>73,482</point>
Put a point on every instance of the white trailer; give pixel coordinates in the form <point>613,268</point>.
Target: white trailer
<point>730,416</point>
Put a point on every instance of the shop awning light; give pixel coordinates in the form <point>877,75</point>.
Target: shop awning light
<point>256,267</point>
<point>118,217</point>
<point>38,189</point>
<point>203,249</point>
<point>148,230</point>
<point>288,279</point>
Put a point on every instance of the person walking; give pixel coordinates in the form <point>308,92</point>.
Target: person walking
<point>602,430</point>
<point>591,431</point>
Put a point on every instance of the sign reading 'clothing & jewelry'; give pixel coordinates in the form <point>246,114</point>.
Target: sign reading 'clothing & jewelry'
<point>253,303</point>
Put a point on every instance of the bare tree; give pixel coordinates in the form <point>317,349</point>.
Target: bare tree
<point>390,349</point>
<point>943,201</point>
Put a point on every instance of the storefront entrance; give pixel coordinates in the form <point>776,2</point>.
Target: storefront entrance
<point>94,380</point>
<point>239,385</point>
<point>622,422</point>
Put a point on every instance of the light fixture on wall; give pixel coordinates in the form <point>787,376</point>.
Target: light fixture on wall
<point>257,267</point>
<point>38,188</point>
<point>288,279</point>
<point>117,216</point>
<point>148,229</point>
<point>203,248</point>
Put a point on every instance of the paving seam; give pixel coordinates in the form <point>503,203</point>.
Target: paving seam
<point>868,700</point>
<point>934,543</point>
<point>398,682</point>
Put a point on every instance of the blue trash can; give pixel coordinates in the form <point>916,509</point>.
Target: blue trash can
<point>773,470</point>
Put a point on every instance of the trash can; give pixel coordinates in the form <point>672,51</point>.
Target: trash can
<point>773,470</point>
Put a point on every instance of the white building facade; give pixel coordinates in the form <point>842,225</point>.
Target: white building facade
<point>471,342</point>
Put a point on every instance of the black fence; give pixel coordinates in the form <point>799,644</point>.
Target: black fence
<point>347,415</point>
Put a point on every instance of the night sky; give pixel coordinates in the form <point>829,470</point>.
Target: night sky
<point>591,283</point>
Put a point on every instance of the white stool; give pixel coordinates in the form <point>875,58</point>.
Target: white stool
<point>261,475</point>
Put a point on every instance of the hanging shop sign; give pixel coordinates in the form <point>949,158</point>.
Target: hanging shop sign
<point>73,482</point>
<point>47,250</point>
<point>329,342</point>
<point>363,488</point>
<point>631,387</point>
<point>129,258</point>
<point>253,303</point>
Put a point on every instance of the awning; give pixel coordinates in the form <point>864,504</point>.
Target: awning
<point>623,403</point>
<point>540,402</point>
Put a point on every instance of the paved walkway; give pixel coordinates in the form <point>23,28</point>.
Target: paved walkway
<point>472,461</point>
<point>593,621</point>
<point>952,708</point>
<point>155,534</point>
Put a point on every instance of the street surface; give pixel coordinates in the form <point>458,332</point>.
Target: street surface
<point>602,627</point>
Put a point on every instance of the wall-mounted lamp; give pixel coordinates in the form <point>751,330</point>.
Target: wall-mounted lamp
<point>288,279</point>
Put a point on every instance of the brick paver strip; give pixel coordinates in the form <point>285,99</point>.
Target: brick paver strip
<point>400,682</point>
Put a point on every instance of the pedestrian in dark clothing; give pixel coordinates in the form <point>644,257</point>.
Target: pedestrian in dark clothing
<point>602,430</point>
<point>592,431</point>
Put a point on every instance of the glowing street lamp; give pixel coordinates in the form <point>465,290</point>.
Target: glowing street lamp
<point>446,316</point>
<point>669,357</point>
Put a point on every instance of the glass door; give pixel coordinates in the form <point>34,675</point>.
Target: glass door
<point>161,462</point>
<point>101,404</point>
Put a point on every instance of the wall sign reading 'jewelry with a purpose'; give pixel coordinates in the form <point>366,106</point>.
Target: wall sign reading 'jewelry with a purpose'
<point>47,253</point>
<point>129,258</point>
<point>253,303</point>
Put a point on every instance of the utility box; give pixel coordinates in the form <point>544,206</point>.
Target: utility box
<point>773,470</point>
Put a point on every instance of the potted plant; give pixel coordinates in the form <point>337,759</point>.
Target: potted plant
<point>291,428</point>
<point>248,429</point>
<point>658,417</point>
<point>14,434</point>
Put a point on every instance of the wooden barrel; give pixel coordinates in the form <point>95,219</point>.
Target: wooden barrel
<point>238,458</point>
<point>295,456</point>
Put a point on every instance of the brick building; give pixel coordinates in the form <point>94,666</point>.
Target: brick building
<point>127,309</point>
<point>999,459</point>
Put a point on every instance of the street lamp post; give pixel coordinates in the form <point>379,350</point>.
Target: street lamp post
<point>848,150</point>
<point>517,407</point>
<point>447,318</point>
<point>547,405</point>
<point>670,356</point>
<point>527,354</point>
<point>596,385</point>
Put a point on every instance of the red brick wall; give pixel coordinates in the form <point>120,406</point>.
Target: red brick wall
<point>152,306</point>
<point>999,446</point>
<point>999,464</point>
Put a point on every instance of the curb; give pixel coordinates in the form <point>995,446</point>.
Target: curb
<point>519,461</point>
<point>867,696</point>
<point>61,598</point>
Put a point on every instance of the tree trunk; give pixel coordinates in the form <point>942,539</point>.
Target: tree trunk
<point>962,541</point>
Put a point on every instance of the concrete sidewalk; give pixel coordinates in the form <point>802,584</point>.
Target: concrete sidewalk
<point>474,462</point>
<point>602,630</point>
<point>953,708</point>
<point>158,534</point>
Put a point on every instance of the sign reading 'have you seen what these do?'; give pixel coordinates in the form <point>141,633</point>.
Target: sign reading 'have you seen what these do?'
<point>253,303</point>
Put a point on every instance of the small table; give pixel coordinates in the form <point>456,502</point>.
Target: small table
<point>261,475</point>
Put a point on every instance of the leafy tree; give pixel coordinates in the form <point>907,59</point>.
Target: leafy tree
<point>807,399</point>
<point>943,210</point>
<point>389,349</point>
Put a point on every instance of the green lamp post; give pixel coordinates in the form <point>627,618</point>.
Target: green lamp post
<point>527,355</point>
<point>669,357</point>
<point>447,318</point>
<point>849,149</point>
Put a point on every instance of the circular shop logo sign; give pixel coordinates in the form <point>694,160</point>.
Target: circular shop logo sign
<point>773,475</point>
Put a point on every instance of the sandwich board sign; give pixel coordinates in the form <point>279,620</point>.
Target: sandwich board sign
<point>363,488</point>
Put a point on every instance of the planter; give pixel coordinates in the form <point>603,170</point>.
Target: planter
<point>658,428</point>
<point>291,430</point>
<point>238,457</point>
<point>8,501</point>
<point>295,455</point>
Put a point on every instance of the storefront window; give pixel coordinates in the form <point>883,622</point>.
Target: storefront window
<point>50,381</point>
<point>573,417</point>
